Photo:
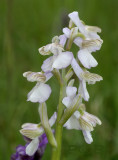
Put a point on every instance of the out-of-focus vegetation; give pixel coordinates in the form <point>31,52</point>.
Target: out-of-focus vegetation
<point>26,25</point>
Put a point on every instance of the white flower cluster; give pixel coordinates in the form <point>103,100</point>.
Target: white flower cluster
<point>61,57</point>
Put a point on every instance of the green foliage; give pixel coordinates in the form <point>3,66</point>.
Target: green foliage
<point>25,26</point>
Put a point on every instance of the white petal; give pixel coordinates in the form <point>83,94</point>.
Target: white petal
<point>72,123</point>
<point>87,59</point>
<point>74,32</point>
<point>45,50</point>
<point>56,48</point>
<point>67,101</point>
<point>74,16</point>
<point>91,78</point>
<point>94,29</point>
<point>67,32</point>
<point>63,60</point>
<point>77,69</point>
<point>40,93</point>
<point>77,114</point>
<point>29,125</point>
<point>47,64</point>
<point>71,91</point>
<point>48,75</point>
<point>85,124</point>
<point>48,47</point>
<point>63,39</point>
<point>93,35</point>
<point>52,120</point>
<point>83,91</point>
<point>87,136</point>
<point>55,40</point>
<point>78,41</point>
<point>93,119</point>
<point>71,82</point>
<point>32,147</point>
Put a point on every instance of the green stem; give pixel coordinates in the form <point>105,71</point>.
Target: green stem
<point>56,152</point>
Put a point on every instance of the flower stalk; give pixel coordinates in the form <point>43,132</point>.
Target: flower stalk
<point>56,152</point>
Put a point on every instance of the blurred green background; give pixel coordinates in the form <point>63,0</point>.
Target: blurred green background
<point>26,25</point>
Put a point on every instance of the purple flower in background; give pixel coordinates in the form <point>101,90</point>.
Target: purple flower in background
<point>21,153</point>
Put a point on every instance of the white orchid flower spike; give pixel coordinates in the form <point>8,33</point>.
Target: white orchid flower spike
<point>65,66</point>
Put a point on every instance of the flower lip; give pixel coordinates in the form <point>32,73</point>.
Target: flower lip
<point>88,137</point>
<point>40,93</point>
<point>63,60</point>
<point>36,149</point>
<point>32,147</point>
<point>71,91</point>
<point>87,59</point>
